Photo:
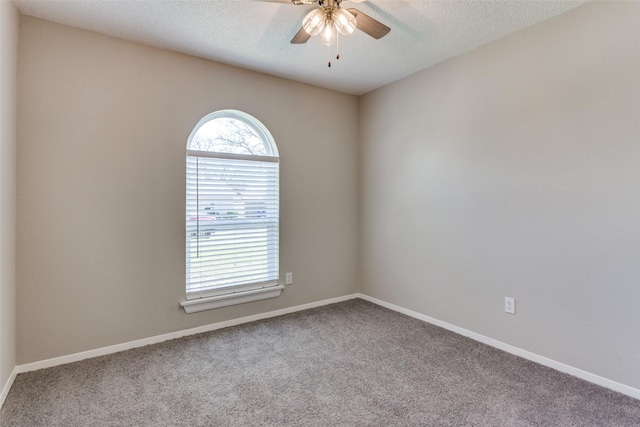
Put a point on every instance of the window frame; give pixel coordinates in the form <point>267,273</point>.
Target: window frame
<point>222,296</point>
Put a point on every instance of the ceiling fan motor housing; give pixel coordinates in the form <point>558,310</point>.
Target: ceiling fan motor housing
<point>321,3</point>
<point>329,3</point>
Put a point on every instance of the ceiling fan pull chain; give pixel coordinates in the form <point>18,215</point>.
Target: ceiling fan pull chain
<point>337,44</point>
<point>329,64</point>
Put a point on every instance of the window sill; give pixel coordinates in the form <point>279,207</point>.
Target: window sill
<point>219,301</point>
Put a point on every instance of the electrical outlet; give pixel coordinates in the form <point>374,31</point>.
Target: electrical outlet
<point>288,279</point>
<point>510,305</point>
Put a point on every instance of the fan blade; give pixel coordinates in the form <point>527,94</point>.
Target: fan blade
<point>301,37</point>
<point>368,25</point>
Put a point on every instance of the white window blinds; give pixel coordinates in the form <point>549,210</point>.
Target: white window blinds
<point>232,215</point>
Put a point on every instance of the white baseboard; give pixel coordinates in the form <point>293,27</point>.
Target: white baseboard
<point>7,386</point>
<point>70,358</point>
<point>558,366</point>
<point>579,373</point>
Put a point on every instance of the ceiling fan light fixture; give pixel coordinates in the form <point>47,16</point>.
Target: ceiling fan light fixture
<point>344,21</point>
<point>314,22</point>
<point>330,21</point>
<point>329,35</point>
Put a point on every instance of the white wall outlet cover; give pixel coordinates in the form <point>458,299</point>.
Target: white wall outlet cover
<point>510,305</point>
<point>288,279</point>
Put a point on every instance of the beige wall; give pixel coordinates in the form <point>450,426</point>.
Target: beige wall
<point>102,127</point>
<point>514,171</point>
<point>8,60</point>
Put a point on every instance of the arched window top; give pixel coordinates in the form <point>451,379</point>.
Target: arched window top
<point>232,132</point>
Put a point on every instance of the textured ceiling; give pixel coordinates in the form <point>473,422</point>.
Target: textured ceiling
<point>255,34</point>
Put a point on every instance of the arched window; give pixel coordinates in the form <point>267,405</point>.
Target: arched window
<point>232,212</point>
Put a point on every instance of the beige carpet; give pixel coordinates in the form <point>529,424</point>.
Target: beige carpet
<point>347,364</point>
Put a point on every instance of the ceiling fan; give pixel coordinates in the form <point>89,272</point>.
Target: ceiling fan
<point>330,21</point>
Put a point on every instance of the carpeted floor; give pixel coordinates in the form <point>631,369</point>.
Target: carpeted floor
<point>347,364</point>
